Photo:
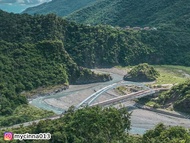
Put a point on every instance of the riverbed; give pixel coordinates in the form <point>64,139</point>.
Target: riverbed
<point>141,120</point>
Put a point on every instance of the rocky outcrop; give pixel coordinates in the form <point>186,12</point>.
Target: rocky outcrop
<point>89,76</point>
<point>141,73</point>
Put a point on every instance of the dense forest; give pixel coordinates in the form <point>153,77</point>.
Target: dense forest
<point>98,46</point>
<point>47,50</point>
<point>28,66</point>
<point>31,57</point>
<point>155,13</point>
<point>59,7</point>
<point>38,51</point>
<point>100,125</point>
<point>171,19</point>
<point>87,46</point>
<point>169,43</point>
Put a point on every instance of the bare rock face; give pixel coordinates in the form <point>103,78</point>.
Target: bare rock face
<point>178,96</point>
<point>93,79</point>
<point>89,76</point>
<point>183,105</point>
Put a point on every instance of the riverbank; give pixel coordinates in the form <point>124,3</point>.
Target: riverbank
<point>141,120</point>
<point>44,91</point>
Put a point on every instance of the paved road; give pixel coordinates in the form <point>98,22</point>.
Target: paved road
<point>117,81</point>
<point>123,98</point>
<point>108,102</point>
<point>30,123</point>
<point>94,96</point>
<point>142,119</point>
<point>39,102</point>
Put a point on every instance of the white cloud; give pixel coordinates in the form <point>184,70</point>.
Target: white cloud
<point>24,1</point>
<point>7,1</point>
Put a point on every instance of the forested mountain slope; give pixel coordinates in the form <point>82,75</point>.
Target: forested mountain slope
<point>59,7</point>
<point>170,42</point>
<point>155,13</point>
<point>97,46</point>
<point>47,50</point>
<point>87,46</point>
<point>32,55</point>
<point>163,14</point>
<point>28,66</point>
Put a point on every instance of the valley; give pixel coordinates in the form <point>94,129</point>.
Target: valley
<point>141,119</point>
<point>96,71</point>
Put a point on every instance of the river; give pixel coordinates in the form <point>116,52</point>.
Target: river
<point>141,120</point>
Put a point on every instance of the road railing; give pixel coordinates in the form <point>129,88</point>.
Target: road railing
<point>130,96</point>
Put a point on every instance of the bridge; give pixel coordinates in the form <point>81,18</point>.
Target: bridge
<point>91,98</point>
<point>94,96</point>
<point>124,98</point>
<point>145,92</point>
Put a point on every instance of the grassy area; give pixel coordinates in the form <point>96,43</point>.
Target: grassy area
<point>24,113</point>
<point>171,74</point>
<point>121,90</point>
<point>174,68</point>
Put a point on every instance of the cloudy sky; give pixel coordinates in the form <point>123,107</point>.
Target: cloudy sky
<point>26,2</point>
<point>18,6</point>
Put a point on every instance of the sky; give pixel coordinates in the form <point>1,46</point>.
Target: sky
<point>17,6</point>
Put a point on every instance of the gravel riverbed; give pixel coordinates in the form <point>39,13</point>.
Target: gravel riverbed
<point>141,120</point>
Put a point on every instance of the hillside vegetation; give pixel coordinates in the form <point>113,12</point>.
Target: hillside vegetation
<point>169,43</point>
<point>142,72</point>
<point>179,96</point>
<point>155,13</point>
<point>33,56</point>
<point>102,125</point>
<point>170,18</point>
<point>98,46</point>
<point>88,46</point>
<point>59,7</point>
<point>28,66</point>
<point>47,50</point>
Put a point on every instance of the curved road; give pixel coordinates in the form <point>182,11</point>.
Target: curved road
<point>102,86</point>
<point>74,89</point>
<point>142,120</point>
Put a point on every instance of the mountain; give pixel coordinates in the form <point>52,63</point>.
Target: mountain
<point>155,13</point>
<point>32,56</point>
<point>47,50</point>
<point>59,7</point>
<point>98,46</point>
